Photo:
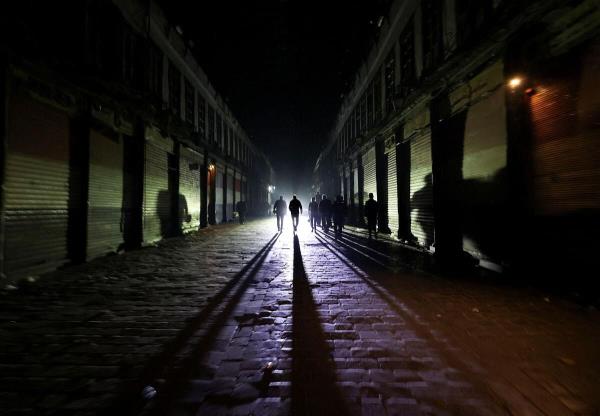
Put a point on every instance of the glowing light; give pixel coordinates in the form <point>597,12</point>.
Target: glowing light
<point>515,82</point>
<point>211,167</point>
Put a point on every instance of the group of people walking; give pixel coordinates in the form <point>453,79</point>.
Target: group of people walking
<point>322,211</point>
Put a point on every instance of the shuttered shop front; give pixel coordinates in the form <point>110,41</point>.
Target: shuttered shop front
<point>36,187</point>
<point>105,195</point>
<point>189,189</point>
<point>219,194</point>
<point>392,181</point>
<point>566,151</point>
<point>230,201</point>
<point>421,189</point>
<point>484,162</point>
<point>238,186</point>
<point>370,172</point>
<point>157,196</point>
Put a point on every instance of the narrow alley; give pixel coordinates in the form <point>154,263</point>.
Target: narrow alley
<point>240,320</point>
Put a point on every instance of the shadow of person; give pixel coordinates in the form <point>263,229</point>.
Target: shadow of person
<point>422,202</point>
<point>314,389</point>
<point>172,213</point>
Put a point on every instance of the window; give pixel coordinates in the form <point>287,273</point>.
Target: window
<point>155,70</point>
<point>377,98</point>
<point>211,124</point>
<point>201,115</point>
<point>189,102</point>
<point>390,80</point>
<point>174,89</point>
<point>219,131</point>
<point>433,47</point>
<point>407,59</point>
<point>370,105</point>
<point>363,114</point>
<point>230,142</point>
<point>471,15</point>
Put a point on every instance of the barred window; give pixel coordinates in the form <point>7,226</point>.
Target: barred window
<point>174,89</point>
<point>390,80</point>
<point>189,102</point>
<point>211,125</point>
<point>201,115</point>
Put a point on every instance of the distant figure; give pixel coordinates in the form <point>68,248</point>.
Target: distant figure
<point>279,209</point>
<point>295,210</point>
<point>339,215</point>
<point>313,213</point>
<point>325,213</point>
<point>318,199</point>
<point>371,210</point>
<point>240,207</point>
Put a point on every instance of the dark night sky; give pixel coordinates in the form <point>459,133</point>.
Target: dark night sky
<point>282,67</point>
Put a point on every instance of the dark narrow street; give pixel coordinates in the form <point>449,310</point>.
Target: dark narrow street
<point>435,165</point>
<point>241,320</point>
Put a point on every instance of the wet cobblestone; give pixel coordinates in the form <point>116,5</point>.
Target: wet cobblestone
<point>237,320</point>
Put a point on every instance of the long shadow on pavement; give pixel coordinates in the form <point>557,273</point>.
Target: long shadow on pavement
<point>169,364</point>
<point>314,390</point>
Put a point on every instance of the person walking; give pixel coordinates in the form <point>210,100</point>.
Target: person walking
<point>371,210</point>
<point>339,215</point>
<point>325,213</point>
<point>313,213</point>
<point>295,209</point>
<point>240,207</point>
<point>318,199</point>
<point>279,209</point>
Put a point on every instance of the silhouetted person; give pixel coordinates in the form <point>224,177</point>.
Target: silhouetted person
<point>318,199</point>
<point>422,202</point>
<point>371,210</point>
<point>279,209</point>
<point>313,213</point>
<point>325,213</point>
<point>339,215</point>
<point>240,207</point>
<point>295,210</point>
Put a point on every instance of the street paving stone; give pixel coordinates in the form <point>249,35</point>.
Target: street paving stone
<point>239,320</point>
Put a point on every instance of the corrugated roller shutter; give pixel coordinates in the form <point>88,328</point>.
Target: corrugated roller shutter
<point>36,188</point>
<point>238,187</point>
<point>219,195</point>
<point>566,153</point>
<point>370,178</point>
<point>230,206</point>
<point>105,195</point>
<point>157,200</point>
<point>244,189</point>
<point>355,188</point>
<point>392,199</point>
<point>483,184</point>
<point>421,188</point>
<point>189,190</point>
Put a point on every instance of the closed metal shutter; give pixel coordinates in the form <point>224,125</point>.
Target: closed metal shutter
<point>105,197</point>
<point>244,190</point>
<point>36,188</point>
<point>157,199</point>
<point>421,189</point>
<point>219,195</point>
<point>238,186</point>
<point>392,199</point>
<point>230,202</point>
<point>355,188</point>
<point>369,166</point>
<point>189,190</point>
<point>483,181</point>
<point>566,152</point>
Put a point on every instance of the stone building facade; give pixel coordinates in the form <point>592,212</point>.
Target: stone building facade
<point>113,137</point>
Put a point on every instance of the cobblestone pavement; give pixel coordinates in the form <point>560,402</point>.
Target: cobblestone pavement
<point>237,320</point>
